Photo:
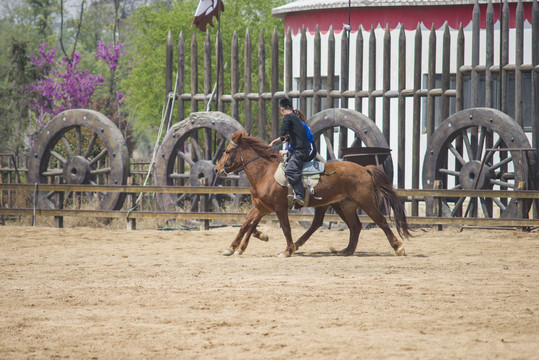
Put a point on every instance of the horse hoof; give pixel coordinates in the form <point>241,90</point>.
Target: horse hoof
<point>282,256</point>
<point>400,251</point>
<point>227,252</point>
<point>264,237</point>
<point>237,253</point>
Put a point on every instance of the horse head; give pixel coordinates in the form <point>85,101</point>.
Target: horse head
<point>230,162</point>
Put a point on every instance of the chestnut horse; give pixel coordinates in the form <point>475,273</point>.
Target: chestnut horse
<point>344,186</point>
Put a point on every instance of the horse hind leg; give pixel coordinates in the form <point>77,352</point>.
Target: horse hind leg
<point>318,221</point>
<point>380,220</point>
<point>260,235</point>
<point>347,210</point>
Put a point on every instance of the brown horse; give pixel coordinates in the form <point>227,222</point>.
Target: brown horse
<point>344,186</point>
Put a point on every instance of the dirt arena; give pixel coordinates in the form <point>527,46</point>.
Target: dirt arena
<point>88,293</point>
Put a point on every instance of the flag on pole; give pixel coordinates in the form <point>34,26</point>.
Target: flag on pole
<point>206,10</point>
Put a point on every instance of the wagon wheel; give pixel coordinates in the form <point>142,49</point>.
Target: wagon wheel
<point>478,148</point>
<point>364,133</point>
<point>79,147</point>
<point>187,157</point>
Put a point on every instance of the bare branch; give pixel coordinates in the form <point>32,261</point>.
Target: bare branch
<point>62,29</point>
<point>78,28</point>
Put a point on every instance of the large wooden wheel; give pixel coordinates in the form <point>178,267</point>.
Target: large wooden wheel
<point>355,130</point>
<point>79,147</point>
<point>187,157</point>
<point>478,148</point>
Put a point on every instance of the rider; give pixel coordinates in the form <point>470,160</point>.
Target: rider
<point>301,147</point>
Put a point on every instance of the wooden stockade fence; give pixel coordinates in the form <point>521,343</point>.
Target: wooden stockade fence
<point>422,93</point>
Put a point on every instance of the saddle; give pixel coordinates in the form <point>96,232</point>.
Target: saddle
<point>310,176</point>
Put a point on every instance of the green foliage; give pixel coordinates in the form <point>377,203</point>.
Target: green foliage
<point>145,85</point>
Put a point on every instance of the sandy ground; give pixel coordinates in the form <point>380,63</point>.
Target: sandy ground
<point>88,293</point>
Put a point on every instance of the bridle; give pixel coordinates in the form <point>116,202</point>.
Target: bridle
<point>232,156</point>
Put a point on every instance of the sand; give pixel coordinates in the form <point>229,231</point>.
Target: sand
<point>90,293</point>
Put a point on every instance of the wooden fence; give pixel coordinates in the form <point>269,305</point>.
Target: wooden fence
<point>204,217</point>
<point>354,93</point>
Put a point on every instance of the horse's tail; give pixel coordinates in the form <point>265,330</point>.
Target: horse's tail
<point>382,187</point>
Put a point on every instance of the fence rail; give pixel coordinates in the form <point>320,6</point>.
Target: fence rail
<point>239,217</point>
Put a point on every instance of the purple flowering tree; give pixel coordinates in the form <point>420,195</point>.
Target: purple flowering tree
<point>60,86</point>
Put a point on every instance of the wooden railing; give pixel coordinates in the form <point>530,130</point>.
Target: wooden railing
<point>132,215</point>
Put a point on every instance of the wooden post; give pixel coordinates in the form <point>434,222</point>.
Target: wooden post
<point>207,70</point>
<point>204,206</point>
<point>288,62</point>
<point>261,85</point>
<point>359,69</point>
<point>372,74</point>
<point>247,81</point>
<point>519,48</point>
<point>194,72</point>
<point>302,70</point>
<point>220,68</point>
<point>489,54</point>
<point>131,223</point>
<point>401,171</point>
<point>181,76</point>
<point>431,82</point>
<point>234,77</point>
<point>522,204</point>
<point>438,202</point>
<point>317,78</point>
<point>416,126</point>
<point>345,74</point>
<point>386,129</point>
<point>274,85</point>
<point>168,76</point>
<point>535,87</point>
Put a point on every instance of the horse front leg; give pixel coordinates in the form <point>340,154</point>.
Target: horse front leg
<point>282,215</point>
<point>318,221</point>
<point>240,242</point>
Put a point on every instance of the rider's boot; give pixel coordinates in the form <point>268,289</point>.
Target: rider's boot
<point>299,194</point>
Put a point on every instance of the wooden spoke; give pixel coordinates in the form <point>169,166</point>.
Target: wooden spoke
<point>90,145</point>
<point>179,176</point>
<point>67,146</point>
<point>53,172</point>
<point>59,157</point>
<point>194,204</point>
<point>79,140</point>
<point>481,142</point>
<point>485,207</point>
<point>186,157</point>
<point>449,172</point>
<point>181,198</point>
<point>196,148</point>
<point>218,150</point>
<point>99,156</point>
<point>501,163</point>
<point>499,203</point>
<point>106,170</point>
<point>466,139</point>
<point>458,206</point>
<point>456,154</point>
<point>329,146</point>
<point>503,183</point>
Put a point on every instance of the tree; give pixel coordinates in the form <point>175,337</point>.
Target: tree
<point>150,25</point>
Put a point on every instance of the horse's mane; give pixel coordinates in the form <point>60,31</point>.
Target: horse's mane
<point>257,145</point>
